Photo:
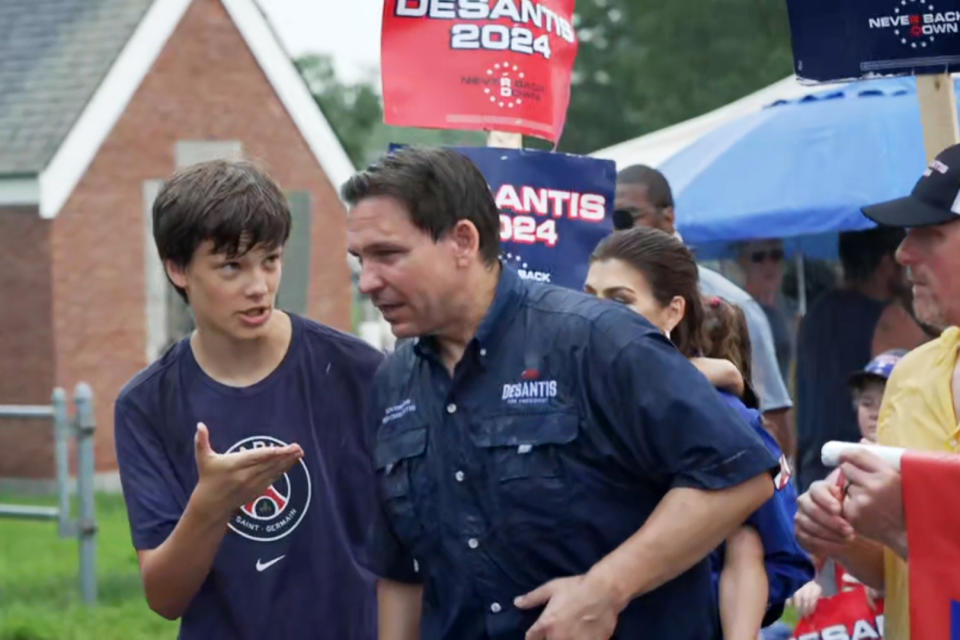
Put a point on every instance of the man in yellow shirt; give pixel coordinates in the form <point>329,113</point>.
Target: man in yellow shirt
<point>861,525</point>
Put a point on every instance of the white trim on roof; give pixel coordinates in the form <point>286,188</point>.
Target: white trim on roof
<point>19,191</point>
<point>78,149</point>
<point>291,89</point>
<point>58,180</point>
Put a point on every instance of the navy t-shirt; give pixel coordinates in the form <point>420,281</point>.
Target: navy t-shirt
<point>290,563</point>
<point>564,425</point>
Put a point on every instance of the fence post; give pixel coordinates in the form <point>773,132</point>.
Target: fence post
<point>61,451</point>
<point>86,517</point>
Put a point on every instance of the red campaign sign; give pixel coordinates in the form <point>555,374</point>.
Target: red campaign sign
<point>849,615</point>
<point>500,65</point>
<point>930,482</point>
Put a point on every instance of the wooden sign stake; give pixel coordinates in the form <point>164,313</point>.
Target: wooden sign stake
<point>504,139</point>
<point>938,112</point>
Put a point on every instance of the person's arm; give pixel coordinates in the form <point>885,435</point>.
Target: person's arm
<point>823,531</point>
<point>174,571</point>
<point>398,610</point>
<point>779,422</point>
<point>744,587</point>
<point>873,504</point>
<point>896,329</point>
<point>721,373</point>
<point>863,559</point>
<point>685,526</point>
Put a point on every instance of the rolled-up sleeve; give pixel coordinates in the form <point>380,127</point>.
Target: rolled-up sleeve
<point>673,423</point>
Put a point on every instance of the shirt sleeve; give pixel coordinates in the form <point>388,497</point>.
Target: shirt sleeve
<point>673,423</point>
<point>146,478</point>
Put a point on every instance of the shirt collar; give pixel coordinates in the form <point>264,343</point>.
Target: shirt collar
<point>510,290</point>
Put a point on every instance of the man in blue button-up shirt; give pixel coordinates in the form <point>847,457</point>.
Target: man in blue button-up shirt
<point>549,466</point>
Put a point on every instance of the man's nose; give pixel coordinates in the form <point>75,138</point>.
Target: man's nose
<point>369,281</point>
<point>906,252</point>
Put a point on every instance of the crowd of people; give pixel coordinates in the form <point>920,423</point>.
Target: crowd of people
<point>531,462</point>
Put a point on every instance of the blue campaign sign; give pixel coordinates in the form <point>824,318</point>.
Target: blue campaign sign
<point>554,209</point>
<point>844,39</point>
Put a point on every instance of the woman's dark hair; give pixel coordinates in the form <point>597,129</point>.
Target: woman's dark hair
<point>234,204</point>
<point>727,337</point>
<point>438,188</point>
<point>669,269</point>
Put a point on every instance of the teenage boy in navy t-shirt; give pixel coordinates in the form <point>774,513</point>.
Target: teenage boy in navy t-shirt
<point>241,449</point>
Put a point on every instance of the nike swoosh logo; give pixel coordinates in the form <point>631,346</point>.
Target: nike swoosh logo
<point>263,566</point>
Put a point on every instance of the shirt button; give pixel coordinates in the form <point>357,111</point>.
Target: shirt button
<point>496,608</point>
<point>473,543</point>
<point>451,408</point>
<point>483,353</point>
<point>459,475</point>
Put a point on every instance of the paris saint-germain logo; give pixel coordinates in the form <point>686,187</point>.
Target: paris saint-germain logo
<point>277,511</point>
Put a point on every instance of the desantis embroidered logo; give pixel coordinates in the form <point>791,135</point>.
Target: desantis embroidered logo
<point>531,390</point>
<point>277,511</point>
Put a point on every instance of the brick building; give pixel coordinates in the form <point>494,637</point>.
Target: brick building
<point>99,101</point>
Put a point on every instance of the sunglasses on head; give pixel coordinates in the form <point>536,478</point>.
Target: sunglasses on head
<point>774,255</point>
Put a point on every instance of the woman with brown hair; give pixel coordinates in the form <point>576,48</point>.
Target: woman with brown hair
<point>653,273</point>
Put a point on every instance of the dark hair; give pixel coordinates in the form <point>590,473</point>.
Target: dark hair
<point>727,337</point>
<point>438,187</point>
<point>658,189</point>
<point>670,270</point>
<point>862,251</point>
<point>234,204</point>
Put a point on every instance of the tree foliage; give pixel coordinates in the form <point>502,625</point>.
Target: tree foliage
<point>646,64</point>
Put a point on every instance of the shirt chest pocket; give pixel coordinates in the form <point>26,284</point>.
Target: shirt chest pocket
<point>525,462</point>
<point>399,459</point>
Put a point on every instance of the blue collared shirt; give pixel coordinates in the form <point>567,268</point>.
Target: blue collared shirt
<point>563,426</point>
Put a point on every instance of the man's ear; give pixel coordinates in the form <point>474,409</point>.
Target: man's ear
<point>466,242</point>
<point>176,273</point>
<point>669,219</point>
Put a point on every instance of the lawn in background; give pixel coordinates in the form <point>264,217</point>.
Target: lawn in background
<point>39,583</point>
<point>40,593</point>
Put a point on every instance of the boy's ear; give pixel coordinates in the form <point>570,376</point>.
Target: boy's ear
<point>176,273</point>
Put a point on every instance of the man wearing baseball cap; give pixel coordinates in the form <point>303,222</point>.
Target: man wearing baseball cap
<point>864,528</point>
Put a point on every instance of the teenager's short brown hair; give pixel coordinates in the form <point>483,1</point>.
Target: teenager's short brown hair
<point>233,204</point>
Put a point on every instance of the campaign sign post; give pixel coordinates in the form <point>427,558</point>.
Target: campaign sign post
<point>847,39</point>
<point>502,65</point>
<point>554,209</point>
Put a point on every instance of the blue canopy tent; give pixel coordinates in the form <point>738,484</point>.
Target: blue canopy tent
<point>799,170</point>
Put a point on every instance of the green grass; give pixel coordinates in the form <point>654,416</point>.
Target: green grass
<point>39,588</point>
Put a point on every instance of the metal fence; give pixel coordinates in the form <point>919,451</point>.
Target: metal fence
<point>81,427</point>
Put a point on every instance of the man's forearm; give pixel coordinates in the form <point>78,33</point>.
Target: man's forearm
<point>174,572</point>
<point>864,560</point>
<point>398,607</point>
<point>682,530</point>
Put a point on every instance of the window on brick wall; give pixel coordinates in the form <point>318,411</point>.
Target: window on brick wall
<point>295,285</point>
